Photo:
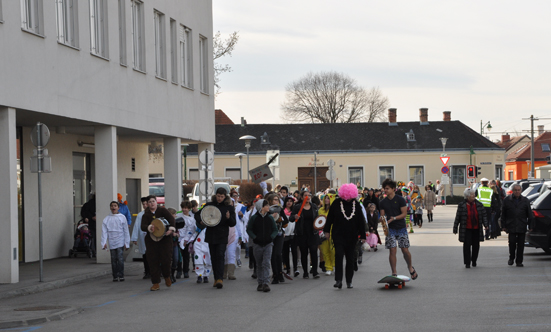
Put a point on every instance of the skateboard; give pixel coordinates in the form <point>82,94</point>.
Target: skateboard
<point>391,281</point>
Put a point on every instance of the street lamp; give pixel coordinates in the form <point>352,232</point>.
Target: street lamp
<point>487,125</point>
<point>247,139</point>
<point>240,155</point>
<point>443,140</point>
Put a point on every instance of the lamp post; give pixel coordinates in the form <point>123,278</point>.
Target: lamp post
<point>247,139</point>
<point>184,154</point>
<point>444,140</point>
<point>486,125</point>
<point>240,155</point>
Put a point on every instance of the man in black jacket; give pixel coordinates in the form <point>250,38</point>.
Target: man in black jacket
<point>516,215</point>
<point>217,236</point>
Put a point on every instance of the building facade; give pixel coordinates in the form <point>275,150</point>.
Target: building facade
<point>111,79</point>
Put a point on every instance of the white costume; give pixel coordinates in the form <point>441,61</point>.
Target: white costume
<point>201,255</point>
<point>238,208</point>
<point>138,235</point>
<point>115,230</point>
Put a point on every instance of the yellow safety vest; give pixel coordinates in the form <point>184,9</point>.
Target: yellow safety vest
<point>485,196</point>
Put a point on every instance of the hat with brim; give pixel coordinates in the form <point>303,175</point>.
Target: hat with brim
<point>484,180</point>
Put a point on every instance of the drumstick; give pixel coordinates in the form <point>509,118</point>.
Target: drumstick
<point>302,206</point>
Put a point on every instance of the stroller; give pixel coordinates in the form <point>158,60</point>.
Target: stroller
<point>83,241</point>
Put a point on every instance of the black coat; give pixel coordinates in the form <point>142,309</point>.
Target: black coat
<point>345,231</point>
<point>516,214</point>
<point>89,211</point>
<point>300,223</point>
<point>219,233</point>
<point>371,199</point>
<point>461,220</point>
<point>372,222</point>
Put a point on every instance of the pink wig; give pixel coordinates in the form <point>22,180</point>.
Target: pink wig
<point>348,191</point>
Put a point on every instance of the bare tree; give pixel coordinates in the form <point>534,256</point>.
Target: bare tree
<point>331,97</point>
<point>222,47</point>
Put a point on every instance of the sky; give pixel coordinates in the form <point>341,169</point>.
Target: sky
<point>482,60</point>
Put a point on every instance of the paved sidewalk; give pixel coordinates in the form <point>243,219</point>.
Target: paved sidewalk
<point>57,273</point>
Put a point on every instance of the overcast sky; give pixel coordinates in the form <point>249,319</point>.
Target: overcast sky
<point>482,60</point>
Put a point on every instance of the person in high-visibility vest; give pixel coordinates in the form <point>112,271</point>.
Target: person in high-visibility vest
<point>484,196</point>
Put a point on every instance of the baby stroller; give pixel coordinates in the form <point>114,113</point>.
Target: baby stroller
<point>83,239</point>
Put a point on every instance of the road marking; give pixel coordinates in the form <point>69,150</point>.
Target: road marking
<point>100,305</point>
<point>23,329</point>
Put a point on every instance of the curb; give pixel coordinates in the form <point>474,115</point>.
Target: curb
<point>40,320</point>
<point>46,286</point>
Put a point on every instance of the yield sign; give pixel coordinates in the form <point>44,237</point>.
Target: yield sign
<point>445,160</point>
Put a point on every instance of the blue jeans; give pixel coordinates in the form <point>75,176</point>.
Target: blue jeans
<point>117,262</point>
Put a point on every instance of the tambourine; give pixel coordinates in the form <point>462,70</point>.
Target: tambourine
<point>319,223</point>
<point>160,226</point>
<point>211,215</point>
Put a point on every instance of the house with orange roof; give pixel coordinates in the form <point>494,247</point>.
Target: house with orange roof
<point>517,161</point>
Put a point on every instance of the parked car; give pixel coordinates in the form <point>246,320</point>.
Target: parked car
<point>195,194</point>
<point>158,189</point>
<point>506,184</point>
<point>524,183</point>
<point>540,237</point>
<point>533,188</point>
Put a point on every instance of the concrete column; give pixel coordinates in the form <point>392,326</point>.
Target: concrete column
<point>173,172</point>
<point>9,245</point>
<point>210,169</point>
<point>106,180</point>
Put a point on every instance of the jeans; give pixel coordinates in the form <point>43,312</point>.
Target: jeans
<point>277,256</point>
<point>290,245</point>
<point>217,257</point>
<point>263,255</point>
<point>516,246</point>
<point>472,240</point>
<point>117,262</point>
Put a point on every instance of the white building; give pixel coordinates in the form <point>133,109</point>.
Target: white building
<point>108,77</point>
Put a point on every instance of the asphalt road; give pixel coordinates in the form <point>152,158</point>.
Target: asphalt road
<point>445,297</point>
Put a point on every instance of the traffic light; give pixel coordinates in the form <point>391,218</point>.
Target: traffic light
<point>471,172</point>
<point>478,170</point>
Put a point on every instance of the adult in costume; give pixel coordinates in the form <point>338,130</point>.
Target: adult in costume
<point>217,236</point>
<point>159,251</point>
<point>326,247</point>
<point>348,223</point>
<point>138,237</point>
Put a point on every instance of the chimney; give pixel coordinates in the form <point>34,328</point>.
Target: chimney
<point>392,117</point>
<point>505,138</point>
<point>243,121</point>
<point>540,130</point>
<point>424,116</point>
<point>447,116</point>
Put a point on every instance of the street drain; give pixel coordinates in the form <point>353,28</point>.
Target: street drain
<point>43,308</point>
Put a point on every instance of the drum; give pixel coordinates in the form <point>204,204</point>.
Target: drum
<point>161,226</point>
<point>319,223</point>
<point>179,222</point>
<point>211,215</point>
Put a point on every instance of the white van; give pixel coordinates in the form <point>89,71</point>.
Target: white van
<point>195,194</point>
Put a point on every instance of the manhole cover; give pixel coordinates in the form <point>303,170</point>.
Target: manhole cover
<point>43,308</point>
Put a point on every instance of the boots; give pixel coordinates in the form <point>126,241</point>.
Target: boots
<point>172,277</point>
<point>179,270</point>
<point>231,271</point>
<point>225,272</point>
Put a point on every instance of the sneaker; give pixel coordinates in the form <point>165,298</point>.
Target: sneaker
<point>220,284</point>
<point>238,263</point>
<point>205,280</point>
<point>297,274</point>
<point>199,279</point>
<point>121,279</point>
<point>168,282</point>
<point>115,279</point>
<point>265,288</point>
<point>328,273</point>
<point>316,276</point>
<point>260,287</point>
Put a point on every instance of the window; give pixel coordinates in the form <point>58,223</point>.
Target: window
<point>511,175</point>
<point>203,58</point>
<point>160,45</point>
<point>174,51</point>
<point>67,22</point>
<point>459,174</point>
<point>122,33</point>
<point>356,175</point>
<point>193,174</point>
<point>99,42</point>
<point>417,175</point>
<point>233,173</point>
<point>410,136</point>
<point>31,16</point>
<point>385,172</point>
<point>545,147</point>
<point>499,172</point>
<point>138,40</point>
<point>185,56</point>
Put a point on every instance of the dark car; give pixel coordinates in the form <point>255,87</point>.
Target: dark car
<point>540,237</point>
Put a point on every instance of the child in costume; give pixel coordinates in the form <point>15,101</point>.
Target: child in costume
<point>418,202</point>
<point>201,255</point>
<point>326,247</point>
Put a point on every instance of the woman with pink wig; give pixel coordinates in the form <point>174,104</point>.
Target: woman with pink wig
<point>348,222</point>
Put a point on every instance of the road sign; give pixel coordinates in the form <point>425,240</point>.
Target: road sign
<point>445,179</point>
<point>331,175</point>
<point>206,157</point>
<point>261,173</point>
<point>445,160</point>
<point>270,154</point>
<point>330,163</point>
<point>445,170</point>
<point>43,131</point>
